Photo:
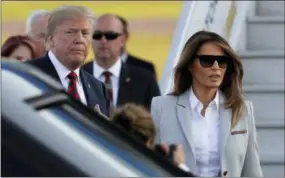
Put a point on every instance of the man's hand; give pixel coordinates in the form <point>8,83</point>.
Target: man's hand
<point>97,110</point>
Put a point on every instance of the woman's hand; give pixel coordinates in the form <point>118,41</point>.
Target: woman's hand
<point>178,154</point>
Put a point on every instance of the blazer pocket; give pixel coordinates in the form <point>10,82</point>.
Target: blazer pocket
<point>238,132</point>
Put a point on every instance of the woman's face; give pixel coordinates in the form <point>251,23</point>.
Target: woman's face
<point>22,53</point>
<point>209,67</point>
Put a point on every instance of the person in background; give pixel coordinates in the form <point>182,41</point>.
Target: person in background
<point>136,120</point>
<point>124,83</point>
<point>206,112</point>
<point>69,34</point>
<point>127,57</point>
<point>20,47</point>
<point>36,26</point>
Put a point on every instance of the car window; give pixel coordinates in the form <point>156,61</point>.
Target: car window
<point>19,85</point>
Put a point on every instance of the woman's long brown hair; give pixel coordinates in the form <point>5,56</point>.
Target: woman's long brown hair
<point>231,86</point>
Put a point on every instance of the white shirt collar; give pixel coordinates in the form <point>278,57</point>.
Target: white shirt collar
<point>62,71</point>
<point>194,101</point>
<point>124,56</point>
<point>115,69</point>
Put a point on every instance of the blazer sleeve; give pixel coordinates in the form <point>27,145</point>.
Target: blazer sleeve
<point>251,167</point>
<point>155,115</point>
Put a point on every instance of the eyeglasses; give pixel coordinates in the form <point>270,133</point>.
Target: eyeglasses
<point>109,35</point>
<point>207,61</point>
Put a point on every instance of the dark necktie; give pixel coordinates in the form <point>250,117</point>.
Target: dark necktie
<point>72,89</point>
<point>108,85</point>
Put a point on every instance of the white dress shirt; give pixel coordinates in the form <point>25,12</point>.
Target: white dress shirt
<point>63,72</point>
<point>205,133</point>
<point>115,70</point>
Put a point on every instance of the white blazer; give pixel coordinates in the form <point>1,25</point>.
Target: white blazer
<point>239,149</point>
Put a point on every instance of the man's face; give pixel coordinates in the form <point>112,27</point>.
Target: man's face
<point>38,29</point>
<point>107,38</point>
<point>71,42</point>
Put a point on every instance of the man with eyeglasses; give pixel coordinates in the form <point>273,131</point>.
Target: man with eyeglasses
<point>124,83</point>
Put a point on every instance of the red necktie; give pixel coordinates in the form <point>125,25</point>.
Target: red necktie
<point>108,85</point>
<point>72,89</point>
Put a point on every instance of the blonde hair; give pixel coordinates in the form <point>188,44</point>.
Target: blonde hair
<point>64,13</point>
<point>231,86</point>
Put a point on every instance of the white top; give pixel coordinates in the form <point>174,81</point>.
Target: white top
<point>63,72</point>
<point>115,70</point>
<point>205,133</point>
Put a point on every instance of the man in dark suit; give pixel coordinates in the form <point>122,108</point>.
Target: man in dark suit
<point>124,83</point>
<point>127,57</point>
<point>69,33</point>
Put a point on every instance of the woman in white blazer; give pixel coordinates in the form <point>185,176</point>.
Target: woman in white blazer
<point>206,111</point>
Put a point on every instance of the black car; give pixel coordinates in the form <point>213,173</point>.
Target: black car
<point>47,133</point>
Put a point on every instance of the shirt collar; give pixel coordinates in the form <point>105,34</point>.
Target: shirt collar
<point>194,101</point>
<point>62,71</point>
<point>115,69</point>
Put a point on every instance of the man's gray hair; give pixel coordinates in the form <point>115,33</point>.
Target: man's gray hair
<point>32,17</point>
<point>67,12</point>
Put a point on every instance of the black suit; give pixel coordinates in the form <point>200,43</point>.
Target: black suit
<point>94,90</point>
<point>136,85</point>
<point>135,61</point>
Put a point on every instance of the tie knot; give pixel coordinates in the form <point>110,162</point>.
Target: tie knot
<point>107,74</point>
<point>72,76</point>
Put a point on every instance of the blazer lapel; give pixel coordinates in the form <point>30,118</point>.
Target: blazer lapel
<point>88,67</point>
<point>124,83</point>
<point>49,68</point>
<point>185,119</point>
<point>87,89</point>
<point>226,117</point>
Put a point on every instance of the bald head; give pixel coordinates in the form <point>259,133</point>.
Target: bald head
<point>36,27</point>
<point>108,40</point>
<point>109,22</point>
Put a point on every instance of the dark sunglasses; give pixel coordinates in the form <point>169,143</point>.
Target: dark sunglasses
<point>208,60</point>
<point>109,35</point>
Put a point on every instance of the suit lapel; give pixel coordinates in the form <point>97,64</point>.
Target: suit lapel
<point>89,68</point>
<point>185,119</point>
<point>87,89</point>
<point>226,117</point>
<point>48,67</point>
<point>124,83</point>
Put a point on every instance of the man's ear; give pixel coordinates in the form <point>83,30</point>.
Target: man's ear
<point>124,40</point>
<point>50,41</point>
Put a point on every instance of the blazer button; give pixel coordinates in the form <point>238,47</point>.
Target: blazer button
<point>225,173</point>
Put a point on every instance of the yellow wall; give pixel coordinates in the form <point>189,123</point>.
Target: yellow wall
<point>153,47</point>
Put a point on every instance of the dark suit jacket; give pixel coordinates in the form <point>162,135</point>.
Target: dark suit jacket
<point>95,91</point>
<point>135,61</point>
<point>136,85</point>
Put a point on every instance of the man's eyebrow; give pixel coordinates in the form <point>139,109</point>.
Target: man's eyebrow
<point>79,29</point>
